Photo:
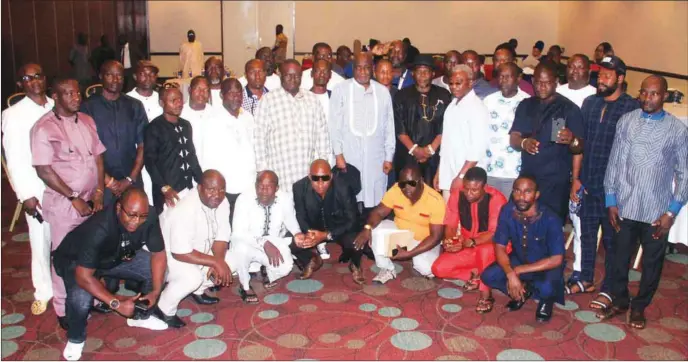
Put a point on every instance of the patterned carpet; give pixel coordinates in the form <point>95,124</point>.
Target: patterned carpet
<point>331,318</point>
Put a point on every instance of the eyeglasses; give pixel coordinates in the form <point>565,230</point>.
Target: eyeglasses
<point>134,216</point>
<point>323,178</point>
<point>412,183</point>
<point>29,77</point>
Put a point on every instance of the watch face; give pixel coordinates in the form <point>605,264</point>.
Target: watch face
<point>114,304</point>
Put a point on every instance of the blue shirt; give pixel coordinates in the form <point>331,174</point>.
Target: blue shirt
<point>407,76</point>
<point>482,88</point>
<point>120,125</point>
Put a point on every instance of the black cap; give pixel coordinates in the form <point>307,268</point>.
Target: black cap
<point>539,44</point>
<point>425,60</point>
<point>614,63</point>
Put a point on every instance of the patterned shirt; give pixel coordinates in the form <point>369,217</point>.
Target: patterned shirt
<point>250,101</point>
<point>599,121</point>
<point>290,132</point>
<point>649,151</point>
<point>502,160</point>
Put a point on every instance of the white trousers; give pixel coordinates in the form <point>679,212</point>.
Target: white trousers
<point>39,238</point>
<point>147,185</point>
<point>577,253</point>
<point>422,263</point>
<point>242,255</point>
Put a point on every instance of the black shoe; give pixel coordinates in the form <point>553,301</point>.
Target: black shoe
<point>204,299</point>
<point>515,305</point>
<point>102,308</point>
<point>172,321</point>
<point>544,311</point>
<point>63,322</point>
<point>214,288</point>
<point>133,285</point>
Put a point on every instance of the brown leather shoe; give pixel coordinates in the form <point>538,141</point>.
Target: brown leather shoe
<point>312,267</point>
<point>357,274</point>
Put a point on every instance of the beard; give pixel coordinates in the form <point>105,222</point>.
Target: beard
<point>523,206</point>
<point>607,92</point>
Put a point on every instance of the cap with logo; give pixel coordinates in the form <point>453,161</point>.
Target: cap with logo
<point>614,63</point>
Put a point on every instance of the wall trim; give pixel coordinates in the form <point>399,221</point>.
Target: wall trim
<point>177,53</point>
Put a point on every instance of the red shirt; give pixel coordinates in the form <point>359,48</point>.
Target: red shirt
<point>477,217</point>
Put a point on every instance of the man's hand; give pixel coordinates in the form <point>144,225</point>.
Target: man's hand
<point>386,167</point>
<point>122,185</point>
<point>362,239</point>
<point>317,235</point>
<point>575,186</point>
<point>565,136</point>
<point>466,242</point>
<point>31,205</point>
<point>515,286</point>
<point>341,162</point>
<point>614,218</point>
<point>309,240</point>
<point>221,273</point>
<point>97,201</point>
<point>662,226</point>
<point>171,197</point>
<point>82,207</point>
<point>151,298</point>
<point>436,181</point>
<point>274,256</point>
<point>402,254</point>
<point>531,146</point>
<point>421,154</point>
<point>126,306</point>
<point>299,239</point>
<point>452,246</point>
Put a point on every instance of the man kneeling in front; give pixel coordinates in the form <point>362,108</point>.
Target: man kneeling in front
<point>109,244</point>
<point>196,232</point>
<point>418,209</point>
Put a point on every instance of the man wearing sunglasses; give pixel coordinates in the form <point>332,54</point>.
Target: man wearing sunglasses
<point>326,208</point>
<point>17,121</point>
<point>417,208</point>
<point>109,244</point>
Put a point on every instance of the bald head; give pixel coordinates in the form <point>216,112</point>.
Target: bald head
<point>29,68</point>
<point>132,209</point>
<point>229,84</point>
<point>211,189</point>
<point>254,63</point>
<point>212,176</point>
<point>659,80</point>
<point>267,176</point>
<point>320,167</point>
<point>110,64</point>
<point>410,172</point>
<point>364,58</point>
<point>134,198</point>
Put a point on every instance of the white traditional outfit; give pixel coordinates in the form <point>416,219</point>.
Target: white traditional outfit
<point>198,120</point>
<point>191,59</point>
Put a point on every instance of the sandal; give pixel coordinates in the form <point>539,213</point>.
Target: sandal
<point>485,305</point>
<point>637,319</point>
<point>599,303</point>
<point>610,312</point>
<point>266,281</point>
<point>248,297</point>
<point>579,287</point>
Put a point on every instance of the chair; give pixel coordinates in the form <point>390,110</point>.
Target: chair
<point>638,256</point>
<point>94,89</point>
<point>18,208</point>
<point>14,98</point>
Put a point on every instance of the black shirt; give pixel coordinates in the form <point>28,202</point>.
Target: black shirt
<point>337,212</point>
<point>100,242</point>
<point>170,157</point>
<point>120,125</point>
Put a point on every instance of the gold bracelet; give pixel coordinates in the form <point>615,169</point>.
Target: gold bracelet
<point>523,141</point>
<point>99,191</point>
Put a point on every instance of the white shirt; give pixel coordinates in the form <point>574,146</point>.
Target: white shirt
<point>576,96</point>
<point>439,81</point>
<point>464,136</point>
<point>272,82</point>
<point>190,225</point>
<point>502,160</point>
<point>216,98</point>
<point>17,122</point>
<point>191,58</point>
<point>307,80</point>
<point>150,104</point>
<point>228,148</point>
<point>255,223</point>
<point>198,119</point>
<point>325,103</point>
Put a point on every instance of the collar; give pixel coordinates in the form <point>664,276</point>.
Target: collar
<point>250,94</point>
<point>526,220</point>
<point>360,86</point>
<point>274,202</point>
<point>653,116</point>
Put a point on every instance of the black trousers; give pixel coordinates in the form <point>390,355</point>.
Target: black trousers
<point>231,198</point>
<point>346,241</point>
<point>624,244</point>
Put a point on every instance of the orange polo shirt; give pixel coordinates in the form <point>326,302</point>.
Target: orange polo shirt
<point>429,209</point>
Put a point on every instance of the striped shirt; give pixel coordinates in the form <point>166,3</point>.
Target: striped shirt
<point>649,152</point>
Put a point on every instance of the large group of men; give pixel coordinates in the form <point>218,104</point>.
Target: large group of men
<point>257,174</point>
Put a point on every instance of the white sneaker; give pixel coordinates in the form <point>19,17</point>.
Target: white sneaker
<point>384,276</point>
<point>254,267</point>
<point>72,351</point>
<point>151,323</point>
<point>322,249</point>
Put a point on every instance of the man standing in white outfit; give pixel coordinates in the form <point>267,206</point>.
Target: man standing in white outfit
<point>258,236</point>
<point>191,56</point>
<point>17,122</point>
<point>196,232</point>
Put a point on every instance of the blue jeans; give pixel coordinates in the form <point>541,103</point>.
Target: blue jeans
<point>79,301</point>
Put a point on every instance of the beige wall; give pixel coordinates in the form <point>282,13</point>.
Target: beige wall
<point>169,21</point>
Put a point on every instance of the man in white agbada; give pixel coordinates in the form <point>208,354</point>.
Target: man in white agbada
<point>196,233</point>
<point>146,78</point>
<point>464,130</point>
<point>17,122</point>
<point>191,56</point>
<point>321,51</point>
<point>261,218</point>
<point>362,129</point>
<point>198,112</point>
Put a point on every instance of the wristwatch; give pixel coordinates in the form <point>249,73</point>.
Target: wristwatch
<point>73,196</point>
<point>670,214</point>
<point>114,304</point>
<point>367,227</point>
<point>129,179</point>
<point>164,188</point>
<point>329,236</point>
<point>575,142</point>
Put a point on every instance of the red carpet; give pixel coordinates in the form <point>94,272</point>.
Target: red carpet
<point>331,318</point>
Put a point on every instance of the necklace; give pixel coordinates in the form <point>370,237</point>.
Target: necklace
<point>424,106</point>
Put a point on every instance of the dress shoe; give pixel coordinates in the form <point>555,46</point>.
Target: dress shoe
<point>63,322</point>
<point>102,308</point>
<point>172,321</point>
<point>357,274</point>
<point>214,288</point>
<point>515,305</point>
<point>313,266</point>
<point>204,299</point>
<point>544,311</point>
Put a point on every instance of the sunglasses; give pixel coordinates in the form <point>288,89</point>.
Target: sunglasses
<point>412,183</point>
<point>323,178</point>
<point>28,77</point>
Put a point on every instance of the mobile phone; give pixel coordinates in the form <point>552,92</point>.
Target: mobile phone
<point>557,125</point>
<point>37,216</point>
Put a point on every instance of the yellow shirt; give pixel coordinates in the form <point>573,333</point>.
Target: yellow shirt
<point>429,209</point>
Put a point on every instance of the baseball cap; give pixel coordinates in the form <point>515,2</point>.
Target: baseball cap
<point>539,44</point>
<point>141,64</point>
<point>614,63</point>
